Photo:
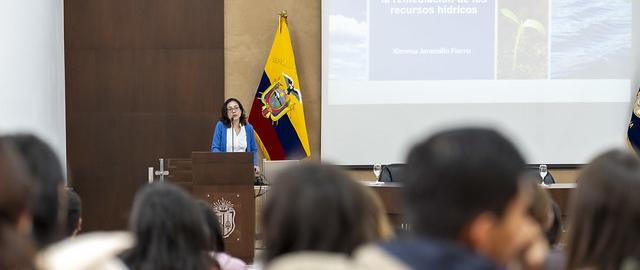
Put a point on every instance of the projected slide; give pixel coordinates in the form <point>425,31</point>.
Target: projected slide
<point>430,36</point>
<point>383,40</point>
<point>557,76</point>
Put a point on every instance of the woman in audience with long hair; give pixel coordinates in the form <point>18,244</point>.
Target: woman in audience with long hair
<point>17,200</point>
<point>317,215</point>
<point>378,216</point>
<point>605,213</point>
<point>169,231</point>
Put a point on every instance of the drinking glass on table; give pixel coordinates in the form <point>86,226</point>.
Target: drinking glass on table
<point>377,169</point>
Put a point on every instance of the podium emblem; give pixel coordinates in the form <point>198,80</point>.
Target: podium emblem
<point>226,215</point>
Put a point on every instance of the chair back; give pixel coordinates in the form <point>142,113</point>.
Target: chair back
<point>392,173</point>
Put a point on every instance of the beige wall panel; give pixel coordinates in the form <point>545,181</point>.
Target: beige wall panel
<point>250,26</point>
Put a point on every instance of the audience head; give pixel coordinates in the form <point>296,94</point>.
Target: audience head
<point>46,170</point>
<point>17,200</point>
<point>227,111</point>
<point>74,213</point>
<point>380,220</point>
<point>464,185</point>
<point>544,210</point>
<point>315,207</point>
<point>555,231</point>
<point>169,230</point>
<point>535,253</point>
<point>605,212</point>
<point>212,222</point>
<point>540,207</point>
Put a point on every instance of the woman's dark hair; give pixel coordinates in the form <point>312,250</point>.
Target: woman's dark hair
<point>74,212</point>
<point>540,206</point>
<point>318,208</point>
<point>17,198</point>
<point>169,230</point>
<point>553,233</point>
<point>605,212</point>
<point>212,222</point>
<point>46,170</point>
<point>225,118</point>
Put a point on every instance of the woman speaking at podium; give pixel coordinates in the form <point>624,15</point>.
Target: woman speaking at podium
<point>233,133</point>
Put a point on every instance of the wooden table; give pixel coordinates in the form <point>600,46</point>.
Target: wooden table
<point>390,193</point>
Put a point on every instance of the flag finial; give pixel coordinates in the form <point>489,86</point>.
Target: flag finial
<point>283,13</point>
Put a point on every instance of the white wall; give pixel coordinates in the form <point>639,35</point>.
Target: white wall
<point>32,70</point>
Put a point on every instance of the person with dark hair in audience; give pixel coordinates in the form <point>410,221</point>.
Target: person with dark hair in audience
<point>169,229</point>
<point>557,258</point>
<point>233,133</point>
<point>96,250</point>
<point>379,220</point>
<point>555,231</point>
<point>74,214</point>
<point>632,263</point>
<point>542,254</point>
<point>17,198</point>
<point>216,248</point>
<point>46,170</point>
<point>605,213</point>
<point>315,217</point>
<point>467,204</point>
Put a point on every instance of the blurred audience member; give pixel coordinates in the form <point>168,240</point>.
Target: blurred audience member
<point>540,208</point>
<point>380,220</point>
<point>315,217</point>
<point>17,199</point>
<point>557,258</point>
<point>74,214</point>
<point>216,248</point>
<point>169,229</point>
<point>632,263</point>
<point>468,207</point>
<point>540,255</point>
<point>46,170</point>
<point>554,232</point>
<point>605,213</point>
<point>88,251</point>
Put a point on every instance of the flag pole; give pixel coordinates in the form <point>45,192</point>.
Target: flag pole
<point>283,15</point>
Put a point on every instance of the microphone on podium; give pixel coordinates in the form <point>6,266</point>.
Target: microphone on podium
<point>233,136</point>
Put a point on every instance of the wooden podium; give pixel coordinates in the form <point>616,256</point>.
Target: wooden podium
<point>225,181</point>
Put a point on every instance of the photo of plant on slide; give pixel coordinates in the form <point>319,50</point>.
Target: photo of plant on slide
<point>523,43</point>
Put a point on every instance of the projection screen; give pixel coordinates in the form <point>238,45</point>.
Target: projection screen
<point>558,77</point>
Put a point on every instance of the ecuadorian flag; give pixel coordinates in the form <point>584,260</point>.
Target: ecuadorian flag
<point>633,133</point>
<point>277,112</point>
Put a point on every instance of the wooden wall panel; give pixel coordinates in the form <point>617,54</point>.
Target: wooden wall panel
<point>181,81</point>
<point>144,80</point>
<point>100,81</point>
<point>140,24</point>
<point>113,152</point>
